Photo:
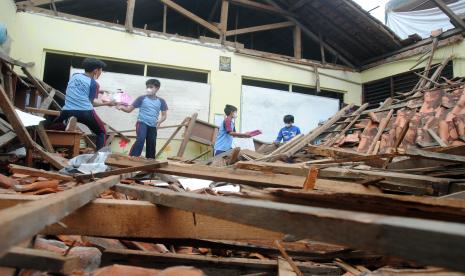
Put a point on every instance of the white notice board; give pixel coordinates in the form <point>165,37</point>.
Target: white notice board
<point>264,109</point>
<point>182,97</point>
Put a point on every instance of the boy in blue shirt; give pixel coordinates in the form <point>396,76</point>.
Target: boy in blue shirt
<point>150,106</point>
<point>81,98</point>
<point>289,131</point>
<point>227,131</point>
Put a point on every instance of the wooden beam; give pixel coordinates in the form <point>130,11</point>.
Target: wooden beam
<point>28,258</point>
<point>192,16</point>
<point>26,220</point>
<point>260,28</point>
<point>297,34</point>
<point>10,113</point>
<point>48,100</point>
<point>210,265</point>
<point>130,15</point>
<point>172,136</point>
<point>44,138</point>
<point>38,2</point>
<point>218,174</point>
<point>143,168</point>
<point>224,19</point>
<point>436,137</point>
<point>377,203</point>
<point>165,15</point>
<point>454,18</point>
<point>260,7</point>
<point>389,235</point>
<point>187,135</point>
<point>425,184</point>
<point>39,173</point>
<point>7,138</point>
<point>115,218</point>
<point>43,111</point>
<point>381,126</point>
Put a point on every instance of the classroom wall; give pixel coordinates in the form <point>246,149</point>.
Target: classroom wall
<point>404,65</point>
<point>34,34</point>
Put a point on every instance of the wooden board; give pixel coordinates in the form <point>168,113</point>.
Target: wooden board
<point>389,235</point>
<point>40,173</point>
<point>23,221</point>
<point>28,258</point>
<point>115,218</point>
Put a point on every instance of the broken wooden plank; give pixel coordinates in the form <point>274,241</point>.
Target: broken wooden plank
<point>311,179</point>
<point>28,258</point>
<point>187,135</point>
<point>382,125</point>
<point>7,138</point>
<point>23,221</point>
<point>10,113</point>
<point>426,184</point>
<point>115,218</point>
<point>72,124</point>
<point>378,203</point>
<point>209,264</point>
<point>214,173</point>
<point>168,141</point>
<point>436,137</point>
<point>288,259</point>
<point>390,235</point>
<point>39,173</point>
<point>284,268</point>
<point>144,168</point>
<point>44,138</point>
<point>43,111</point>
<point>435,155</point>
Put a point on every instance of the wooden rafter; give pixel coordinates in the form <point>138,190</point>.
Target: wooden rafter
<point>454,18</point>
<point>297,34</point>
<point>38,2</point>
<point>261,28</point>
<point>192,16</point>
<point>130,15</point>
<point>260,6</point>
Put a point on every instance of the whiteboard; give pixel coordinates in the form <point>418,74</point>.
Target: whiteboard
<point>182,97</point>
<point>264,109</point>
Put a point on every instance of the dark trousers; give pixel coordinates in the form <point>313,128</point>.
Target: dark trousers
<point>145,134</point>
<point>91,120</point>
